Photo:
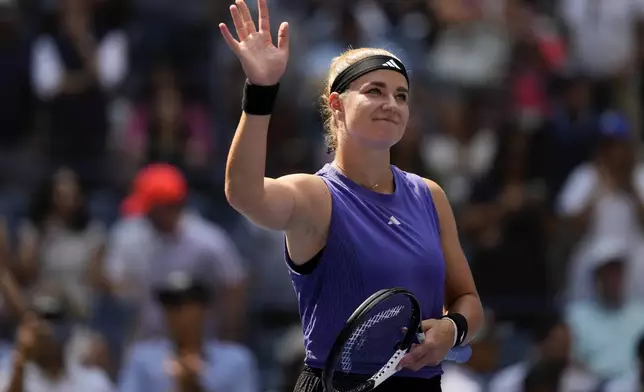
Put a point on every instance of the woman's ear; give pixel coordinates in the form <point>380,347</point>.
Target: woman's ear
<point>335,102</point>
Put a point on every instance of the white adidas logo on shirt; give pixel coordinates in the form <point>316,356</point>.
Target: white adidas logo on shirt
<point>393,221</point>
<point>391,64</point>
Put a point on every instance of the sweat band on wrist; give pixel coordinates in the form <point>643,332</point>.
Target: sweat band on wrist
<point>259,100</point>
<point>460,322</point>
<point>455,331</point>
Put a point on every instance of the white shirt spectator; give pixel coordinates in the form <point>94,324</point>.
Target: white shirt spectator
<point>458,165</point>
<point>475,53</point>
<point>627,383</point>
<point>65,257</point>
<point>458,379</point>
<point>511,379</point>
<point>76,379</point>
<point>139,257</point>
<point>603,39</point>
<point>613,219</point>
<point>48,70</point>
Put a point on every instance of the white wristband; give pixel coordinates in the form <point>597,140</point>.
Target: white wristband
<point>455,330</point>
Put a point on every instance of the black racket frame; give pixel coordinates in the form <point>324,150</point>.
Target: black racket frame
<point>357,318</point>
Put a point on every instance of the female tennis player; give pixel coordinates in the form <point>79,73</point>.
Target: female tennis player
<point>359,224</point>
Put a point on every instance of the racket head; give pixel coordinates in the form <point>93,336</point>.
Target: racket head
<point>364,314</point>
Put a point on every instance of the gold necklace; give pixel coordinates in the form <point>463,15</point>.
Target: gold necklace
<point>372,187</point>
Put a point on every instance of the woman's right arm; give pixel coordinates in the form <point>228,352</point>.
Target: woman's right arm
<point>278,204</point>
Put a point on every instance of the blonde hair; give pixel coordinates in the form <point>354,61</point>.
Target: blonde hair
<point>338,65</point>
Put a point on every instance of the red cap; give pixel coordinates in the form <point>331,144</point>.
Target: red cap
<point>155,184</point>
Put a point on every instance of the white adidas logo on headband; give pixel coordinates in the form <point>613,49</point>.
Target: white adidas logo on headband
<point>391,64</point>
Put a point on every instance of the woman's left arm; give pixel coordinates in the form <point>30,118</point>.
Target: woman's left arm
<point>461,295</point>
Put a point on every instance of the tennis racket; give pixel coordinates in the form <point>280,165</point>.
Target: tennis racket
<point>388,318</point>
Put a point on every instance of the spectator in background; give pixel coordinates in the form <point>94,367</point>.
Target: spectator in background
<point>181,31</point>
<point>59,242</point>
<point>634,380</point>
<point>544,377</point>
<point>606,328</point>
<point>569,137</point>
<point>505,221</point>
<point>457,378</point>
<point>552,342</point>
<point>167,128</point>
<point>605,43</point>
<point>186,360</point>
<point>74,68</point>
<point>460,152</point>
<point>603,199</point>
<point>290,355</point>
<point>160,237</point>
<point>272,303</point>
<point>42,359</point>
<point>473,47</point>
<point>529,80</point>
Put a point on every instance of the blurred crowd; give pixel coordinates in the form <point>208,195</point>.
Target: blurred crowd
<point>115,121</point>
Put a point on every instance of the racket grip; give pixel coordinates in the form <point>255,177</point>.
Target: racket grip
<point>459,354</point>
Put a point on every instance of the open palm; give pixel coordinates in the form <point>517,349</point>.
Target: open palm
<point>263,62</point>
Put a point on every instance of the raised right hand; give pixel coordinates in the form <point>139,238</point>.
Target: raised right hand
<point>263,62</point>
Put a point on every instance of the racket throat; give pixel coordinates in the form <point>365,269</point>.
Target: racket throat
<point>389,369</point>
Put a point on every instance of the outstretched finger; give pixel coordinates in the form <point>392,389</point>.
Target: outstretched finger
<point>228,37</point>
<point>283,38</point>
<point>413,357</point>
<point>238,21</point>
<point>247,17</point>
<point>264,18</point>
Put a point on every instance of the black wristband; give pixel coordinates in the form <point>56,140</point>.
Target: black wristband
<point>259,100</point>
<point>461,326</point>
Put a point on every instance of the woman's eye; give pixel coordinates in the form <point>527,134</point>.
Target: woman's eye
<point>374,91</point>
<point>402,97</point>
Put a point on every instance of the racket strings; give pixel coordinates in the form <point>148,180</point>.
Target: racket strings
<point>375,340</point>
<point>359,337</point>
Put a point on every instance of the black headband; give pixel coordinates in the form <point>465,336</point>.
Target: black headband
<point>364,66</point>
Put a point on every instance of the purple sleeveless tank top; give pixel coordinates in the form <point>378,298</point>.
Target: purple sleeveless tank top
<point>375,241</point>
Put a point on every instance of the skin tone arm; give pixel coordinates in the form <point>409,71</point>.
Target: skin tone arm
<point>290,203</point>
<point>267,202</point>
<point>460,291</point>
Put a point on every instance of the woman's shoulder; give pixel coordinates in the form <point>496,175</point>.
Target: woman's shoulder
<point>435,190</point>
<point>429,187</point>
